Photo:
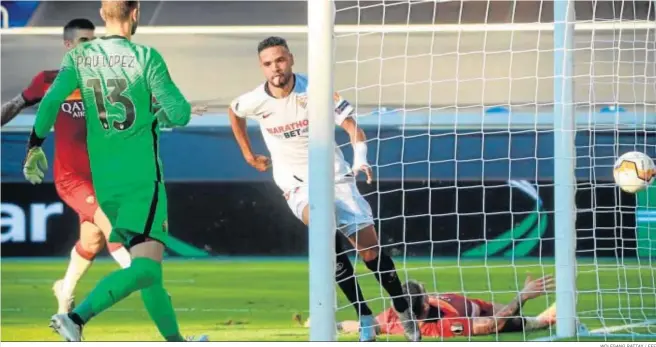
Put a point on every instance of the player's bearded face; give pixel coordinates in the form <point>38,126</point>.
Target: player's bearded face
<point>281,80</point>
<point>277,64</point>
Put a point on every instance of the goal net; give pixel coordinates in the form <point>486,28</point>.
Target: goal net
<point>462,103</point>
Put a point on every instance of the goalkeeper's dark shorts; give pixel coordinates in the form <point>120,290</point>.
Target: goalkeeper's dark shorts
<point>137,213</point>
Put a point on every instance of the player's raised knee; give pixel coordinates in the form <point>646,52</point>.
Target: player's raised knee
<point>92,248</point>
<point>91,239</point>
<point>87,252</point>
<point>369,254</point>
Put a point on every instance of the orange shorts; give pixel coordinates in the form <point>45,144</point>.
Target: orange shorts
<point>79,195</point>
<point>486,308</point>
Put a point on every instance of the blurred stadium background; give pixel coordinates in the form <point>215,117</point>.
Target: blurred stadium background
<point>238,261</point>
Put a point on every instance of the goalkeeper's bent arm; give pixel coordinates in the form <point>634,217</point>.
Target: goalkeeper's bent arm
<point>174,107</point>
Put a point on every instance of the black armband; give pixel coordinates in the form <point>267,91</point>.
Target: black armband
<point>35,141</point>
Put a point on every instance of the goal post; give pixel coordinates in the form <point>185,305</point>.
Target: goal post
<point>564,128</point>
<point>321,179</point>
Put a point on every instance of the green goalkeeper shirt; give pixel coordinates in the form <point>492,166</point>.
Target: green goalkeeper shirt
<point>117,80</point>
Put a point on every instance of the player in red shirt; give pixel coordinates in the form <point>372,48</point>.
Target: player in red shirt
<point>72,173</point>
<point>452,315</point>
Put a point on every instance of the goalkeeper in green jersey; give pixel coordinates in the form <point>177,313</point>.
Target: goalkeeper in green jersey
<point>118,80</point>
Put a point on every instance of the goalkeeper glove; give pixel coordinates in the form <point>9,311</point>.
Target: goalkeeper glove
<point>35,165</point>
<point>162,118</point>
<point>163,121</point>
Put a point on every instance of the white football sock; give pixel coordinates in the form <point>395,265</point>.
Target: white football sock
<point>534,323</point>
<point>122,257</point>
<point>77,267</point>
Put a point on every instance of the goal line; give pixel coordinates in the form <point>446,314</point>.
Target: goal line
<point>605,331</point>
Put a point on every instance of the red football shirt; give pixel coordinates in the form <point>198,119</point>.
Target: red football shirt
<point>71,157</point>
<point>456,312</point>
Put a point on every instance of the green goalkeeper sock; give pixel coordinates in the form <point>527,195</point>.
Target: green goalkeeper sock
<point>142,273</point>
<point>159,307</point>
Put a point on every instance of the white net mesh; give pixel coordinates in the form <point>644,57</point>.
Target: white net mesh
<point>456,98</point>
<point>619,68</point>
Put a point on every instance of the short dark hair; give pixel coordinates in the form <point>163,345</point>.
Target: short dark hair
<point>77,23</point>
<point>417,294</point>
<point>272,41</point>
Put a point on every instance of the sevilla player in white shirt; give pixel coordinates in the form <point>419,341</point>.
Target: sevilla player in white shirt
<point>280,107</point>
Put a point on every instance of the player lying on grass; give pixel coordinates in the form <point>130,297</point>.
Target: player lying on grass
<point>72,173</point>
<point>279,105</point>
<point>453,315</point>
<point>118,80</point>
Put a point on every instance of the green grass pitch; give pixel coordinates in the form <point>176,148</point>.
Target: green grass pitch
<point>254,299</point>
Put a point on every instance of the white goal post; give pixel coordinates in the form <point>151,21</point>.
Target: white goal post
<point>622,101</point>
<point>564,168</point>
<point>321,178</point>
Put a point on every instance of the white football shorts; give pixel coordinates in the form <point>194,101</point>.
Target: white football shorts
<point>352,211</point>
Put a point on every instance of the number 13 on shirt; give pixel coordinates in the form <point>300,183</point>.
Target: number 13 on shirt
<point>116,87</point>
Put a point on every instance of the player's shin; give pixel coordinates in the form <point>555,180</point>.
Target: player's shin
<point>78,265</point>
<point>142,273</point>
<point>347,282</point>
<point>160,308</point>
<point>385,272</point>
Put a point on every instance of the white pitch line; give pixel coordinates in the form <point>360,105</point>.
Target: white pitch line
<point>604,330</point>
<point>45,281</point>
<point>615,328</point>
<point>179,309</point>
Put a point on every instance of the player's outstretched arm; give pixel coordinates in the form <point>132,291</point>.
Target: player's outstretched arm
<point>238,124</point>
<point>174,110</point>
<point>532,289</point>
<point>11,109</point>
<point>30,96</point>
<point>489,325</point>
<point>358,141</point>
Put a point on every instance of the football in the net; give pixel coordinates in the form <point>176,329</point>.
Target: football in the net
<point>634,171</point>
